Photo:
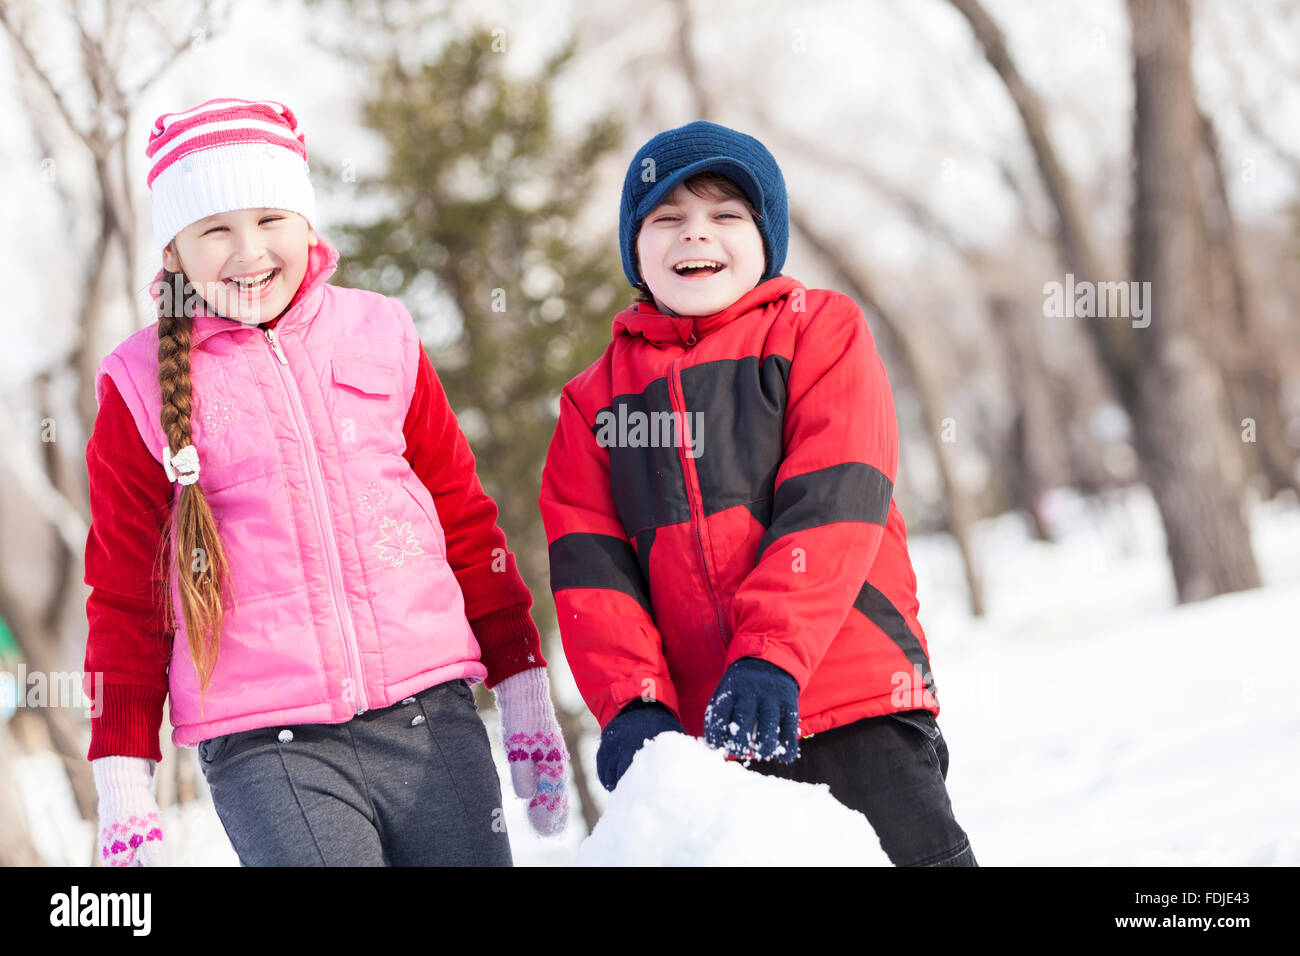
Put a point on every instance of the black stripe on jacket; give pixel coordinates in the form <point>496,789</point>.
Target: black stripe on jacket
<point>881,612</point>
<point>850,491</point>
<point>581,560</point>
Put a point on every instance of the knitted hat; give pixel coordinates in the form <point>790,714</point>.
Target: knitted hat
<point>226,154</point>
<point>675,155</point>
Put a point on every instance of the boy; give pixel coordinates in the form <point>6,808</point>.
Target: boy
<point>726,557</point>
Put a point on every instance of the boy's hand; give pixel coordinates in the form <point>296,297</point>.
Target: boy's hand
<point>754,712</point>
<point>627,733</point>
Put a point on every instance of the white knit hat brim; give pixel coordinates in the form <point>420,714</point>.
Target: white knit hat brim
<point>239,176</point>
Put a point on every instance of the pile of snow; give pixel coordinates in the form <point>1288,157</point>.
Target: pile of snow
<point>684,804</point>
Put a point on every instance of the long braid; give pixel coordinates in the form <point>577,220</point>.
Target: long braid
<point>199,560</point>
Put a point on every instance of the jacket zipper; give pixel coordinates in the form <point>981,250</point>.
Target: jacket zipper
<point>324,527</point>
<point>677,400</point>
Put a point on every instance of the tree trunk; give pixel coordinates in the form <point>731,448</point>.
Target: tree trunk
<point>1172,394</point>
<point>1248,352</point>
<point>1179,393</point>
<point>1033,441</point>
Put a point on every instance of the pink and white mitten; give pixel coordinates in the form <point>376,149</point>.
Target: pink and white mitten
<point>130,829</point>
<point>535,748</point>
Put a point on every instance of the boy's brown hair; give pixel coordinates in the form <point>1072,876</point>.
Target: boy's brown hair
<point>705,185</point>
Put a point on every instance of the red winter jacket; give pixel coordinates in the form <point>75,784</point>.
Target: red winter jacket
<point>721,487</point>
<point>130,497</point>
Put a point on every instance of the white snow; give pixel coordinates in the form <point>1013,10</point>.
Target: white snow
<point>684,804</point>
<point>1089,720</point>
<point>1091,723</point>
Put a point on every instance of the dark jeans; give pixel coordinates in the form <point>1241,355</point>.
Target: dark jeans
<point>892,770</point>
<point>413,784</point>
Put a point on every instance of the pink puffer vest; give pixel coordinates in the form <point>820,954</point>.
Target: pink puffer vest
<point>343,599</point>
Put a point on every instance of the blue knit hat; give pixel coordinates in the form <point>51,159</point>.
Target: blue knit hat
<point>675,155</point>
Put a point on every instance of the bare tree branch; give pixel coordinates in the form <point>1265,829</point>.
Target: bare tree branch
<point>62,515</point>
<point>916,210</point>
<point>18,36</point>
<point>197,29</point>
<point>1111,341</point>
<point>690,63</point>
<point>1245,107</point>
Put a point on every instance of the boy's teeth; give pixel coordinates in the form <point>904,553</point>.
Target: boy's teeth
<point>698,264</point>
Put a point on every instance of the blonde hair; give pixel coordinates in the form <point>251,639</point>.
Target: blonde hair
<point>199,561</point>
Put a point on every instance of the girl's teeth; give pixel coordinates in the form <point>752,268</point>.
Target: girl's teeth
<point>255,282</point>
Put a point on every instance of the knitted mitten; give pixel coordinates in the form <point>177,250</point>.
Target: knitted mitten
<point>535,748</point>
<point>754,712</point>
<point>636,723</point>
<point>130,830</point>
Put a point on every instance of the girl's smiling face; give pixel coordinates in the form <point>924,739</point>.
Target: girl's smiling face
<point>713,229</point>
<point>244,244</point>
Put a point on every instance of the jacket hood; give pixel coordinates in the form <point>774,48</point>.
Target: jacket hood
<point>322,261</point>
<point>645,320</point>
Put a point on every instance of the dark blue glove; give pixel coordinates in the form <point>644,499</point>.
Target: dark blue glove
<point>627,733</point>
<point>754,712</point>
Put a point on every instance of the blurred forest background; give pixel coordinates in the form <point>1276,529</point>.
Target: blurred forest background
<point>947,162</point>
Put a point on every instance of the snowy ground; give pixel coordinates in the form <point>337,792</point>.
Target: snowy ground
<point>1093,723</point>
<point>1090,721</point>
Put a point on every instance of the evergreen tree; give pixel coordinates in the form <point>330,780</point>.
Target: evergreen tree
<point>482,246</point>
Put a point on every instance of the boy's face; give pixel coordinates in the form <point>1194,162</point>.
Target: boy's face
<point>244,243</point>
<point>686,228</point>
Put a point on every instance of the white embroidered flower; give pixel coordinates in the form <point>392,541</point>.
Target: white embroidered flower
<point>372,499</point>
<point>396,542</point>
<point>220,416</point>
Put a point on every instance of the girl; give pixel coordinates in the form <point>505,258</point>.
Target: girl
<point>285,447</point>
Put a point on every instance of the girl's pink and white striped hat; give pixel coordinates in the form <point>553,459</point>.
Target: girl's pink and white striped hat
<point>226,154</point>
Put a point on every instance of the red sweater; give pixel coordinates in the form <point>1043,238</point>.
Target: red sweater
<point>130,500</point>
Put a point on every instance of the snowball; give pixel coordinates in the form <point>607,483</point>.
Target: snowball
<point>682,803</point>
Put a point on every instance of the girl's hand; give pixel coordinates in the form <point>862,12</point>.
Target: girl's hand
<point>535,748</point>
<point>130,828</point>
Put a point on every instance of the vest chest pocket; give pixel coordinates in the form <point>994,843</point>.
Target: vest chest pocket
<point>367,393</point>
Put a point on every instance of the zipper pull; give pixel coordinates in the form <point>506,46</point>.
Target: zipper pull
<point>270,337</point>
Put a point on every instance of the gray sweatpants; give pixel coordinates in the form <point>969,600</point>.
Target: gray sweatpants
<point>408,785</point>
